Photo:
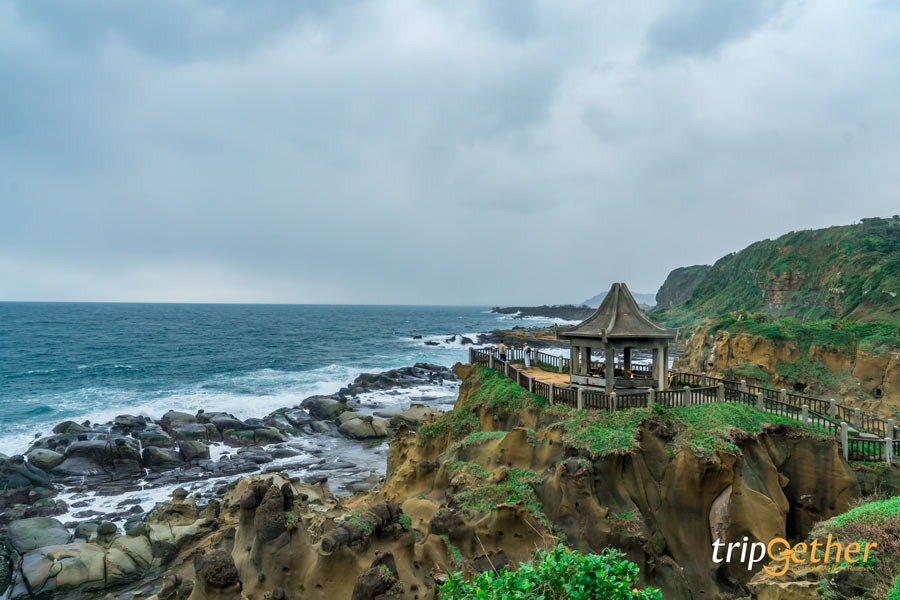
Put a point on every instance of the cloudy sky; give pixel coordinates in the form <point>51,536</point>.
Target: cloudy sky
<point>428,152</point>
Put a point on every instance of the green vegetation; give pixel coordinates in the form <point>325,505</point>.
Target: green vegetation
<point>839,272</point>
<point>477,438</point>
<point>753,372</point>
<point>516,485</point>
<point>704,428</point>
<point>894,593</point>
<point>405,522</point>
<point>560,574</point>
<point>491,389</point>
<point>455,555</point>
<point>876,521</point>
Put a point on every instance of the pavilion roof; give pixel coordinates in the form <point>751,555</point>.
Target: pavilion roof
<point>618,318</point>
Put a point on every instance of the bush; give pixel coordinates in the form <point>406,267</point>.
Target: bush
<point>560,574</point>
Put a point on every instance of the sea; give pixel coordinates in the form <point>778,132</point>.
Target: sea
<point>93,361</point>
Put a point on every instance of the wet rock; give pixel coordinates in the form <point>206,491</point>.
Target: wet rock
<point>154,435</point>
<point>192,451</point>
<point>44,459</point>
<point>322,427</point>
<point>224,421</point>
<point>70,427</point>
<point>365,428</point>
<point>267,435</point>
<point>324,407</point>
<point>18,479</point>
<point>161,459</point>
<point>27,534</point>
<point>419,374</point>
<point>239,438</point>
<point>412,416</point>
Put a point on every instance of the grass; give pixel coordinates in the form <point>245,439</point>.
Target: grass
<point>704,428</point>
<point>876,521</point>
<point>748,371</point>
<point>517,486</point>
<point>491,389</point>
<point>455,555</point>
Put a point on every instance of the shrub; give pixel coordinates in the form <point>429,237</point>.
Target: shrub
<point>560,574</point>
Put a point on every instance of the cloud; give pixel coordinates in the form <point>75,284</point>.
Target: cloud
<point>409,151</point>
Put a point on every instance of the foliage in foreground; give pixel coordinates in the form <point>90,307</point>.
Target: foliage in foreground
<point>877,521</point>
<point>560,574</point>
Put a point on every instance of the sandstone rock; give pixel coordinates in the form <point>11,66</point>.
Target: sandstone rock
<point>78,566</point>
<point>44,459</point>
<point>27,534</point>
<point>217,577</point>
<point>365,427</point>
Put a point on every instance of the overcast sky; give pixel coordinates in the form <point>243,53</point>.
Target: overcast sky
<point>428,152</point>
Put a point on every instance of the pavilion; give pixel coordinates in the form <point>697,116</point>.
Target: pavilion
<point>618,323</point>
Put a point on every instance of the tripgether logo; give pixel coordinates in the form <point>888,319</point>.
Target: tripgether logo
<point>782,554</point>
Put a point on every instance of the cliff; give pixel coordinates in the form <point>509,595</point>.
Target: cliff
<point>847,272</point>
<point>855,362</point>
<point>680,284</point>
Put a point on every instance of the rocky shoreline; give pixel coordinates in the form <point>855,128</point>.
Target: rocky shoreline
<point>79,471</point>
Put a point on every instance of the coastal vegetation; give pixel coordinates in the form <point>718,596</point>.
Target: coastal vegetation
<point>557,574</point>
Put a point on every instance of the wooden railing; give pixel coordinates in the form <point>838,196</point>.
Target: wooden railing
<point>825,415</point>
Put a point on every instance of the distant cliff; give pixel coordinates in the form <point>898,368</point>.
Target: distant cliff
<point>845,272</point>
<point>680,284</point>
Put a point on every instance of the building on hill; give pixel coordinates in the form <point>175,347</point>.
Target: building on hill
<point>617,323</point>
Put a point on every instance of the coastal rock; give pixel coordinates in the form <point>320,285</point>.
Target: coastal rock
<point>365,428</point>
<point>26,535</point>
<point>161,459</point>
<point>115,457</point>
<point>324,407</point>
<point>70,427</point>
<point>44,459</point>
<point>154,435</point>
<point>192,451</point>
<point>217,577</point>
<point>418,374</point>
<point>18,479</point>
<point>412,416</point>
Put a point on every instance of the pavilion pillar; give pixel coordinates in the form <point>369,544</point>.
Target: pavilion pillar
<point>573,359</point>
<point>627,358</point>
<point>586,360</point>
<point>665,362</point>
<point>610,369</point>
<point>654,366</point>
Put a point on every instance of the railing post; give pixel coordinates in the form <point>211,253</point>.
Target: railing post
<point>531,384</point>
<point>744,386</point>
<point>552,393</point>
<point>845,443</point>
<point>832,408</point>
<point>651,398</point>
<point>612,402</point>
<point>891,431</point>
<point>856,420</point>
<point>760,401</point>
<point>686,396</point>
<point>471,355</point>
<point>703,380</point>
<point>720,392</point>
<point>506,368</point>
<point>804,414</point>
<point>888,450</point>
<point>579,395</point>
<point>782,395</point>
<point>491,359</point>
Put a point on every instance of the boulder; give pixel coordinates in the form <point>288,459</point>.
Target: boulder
<point>26,535</point>
<point>365,427</point>
<point>217,576</point>
<point>70,427</point>
<point>322,427</point>
<point>163,459</point>
<point>239,437</point>
<point>173,418</point>
<point>412,416</point>
<point>267,435</point>
<point>154,435</point>
<point>324,407</point>
<point>18,479</point>
<point>116,456</point>
<point>44,459</point>
<point>224,421</point>
<point>194,431</point>
<point>192,451</point>
<point>348,416</point>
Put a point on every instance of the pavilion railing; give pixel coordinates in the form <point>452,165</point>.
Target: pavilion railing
<point>862,442</point>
